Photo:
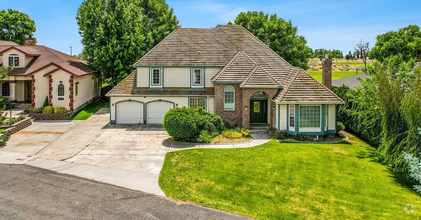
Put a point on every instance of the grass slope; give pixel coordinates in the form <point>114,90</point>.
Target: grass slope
<point>335,74</point>
<point>89,110</point>
<point>290,181</point>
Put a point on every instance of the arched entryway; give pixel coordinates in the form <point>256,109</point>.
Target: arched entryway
<point>259,113</point>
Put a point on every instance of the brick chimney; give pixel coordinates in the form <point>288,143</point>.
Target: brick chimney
<point>327,72</point>
<point>30,42</point>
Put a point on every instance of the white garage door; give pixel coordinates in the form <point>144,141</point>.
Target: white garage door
<point>156,111</point>
<point>129,113</point>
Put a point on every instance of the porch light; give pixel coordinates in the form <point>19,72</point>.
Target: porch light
<point>246,108</point>
<point>273,107</point>
<point>113,104</point>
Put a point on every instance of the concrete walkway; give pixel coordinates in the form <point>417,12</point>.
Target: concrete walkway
<point>258,139</point>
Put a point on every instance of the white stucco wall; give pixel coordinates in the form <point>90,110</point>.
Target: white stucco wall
<point>42,85</point>
<point>22,58</point>
<point>142,77</point>
<point>179,101</point>
<point>64,77</point>
<point>86,89</point>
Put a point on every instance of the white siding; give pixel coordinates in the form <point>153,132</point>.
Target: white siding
<point>142,77</point>
<point>211,104</point>
<point>331,119</point>
<point>209,74</point>
<point>283,117</point>
<point>176,77</point>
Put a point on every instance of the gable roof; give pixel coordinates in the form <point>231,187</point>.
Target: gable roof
<point>5,43</point>
<point>244,60</point>
<point>304,89</point>
<point>44,56</point>
<point>350,81</point>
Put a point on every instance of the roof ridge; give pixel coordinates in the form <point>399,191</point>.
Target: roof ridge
<point>156,45</point>
<point>270,75</point>
<point>115,87</point>
<point>265,45</point>
<point>289,86</point>
<point>249,75</point>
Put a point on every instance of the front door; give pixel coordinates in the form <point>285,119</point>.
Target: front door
<point>258,111</point>
<point>28,91</point>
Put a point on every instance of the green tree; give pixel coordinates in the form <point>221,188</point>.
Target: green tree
<point>115,33</point>
<point>404,44</point>
<point>4,70</point>
<point>278,34</point>
<point>16,26</point>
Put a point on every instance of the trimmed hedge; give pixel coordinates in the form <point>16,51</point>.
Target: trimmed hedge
<point>60,110</point>
<point>194,125</point>
<point>48,110</point>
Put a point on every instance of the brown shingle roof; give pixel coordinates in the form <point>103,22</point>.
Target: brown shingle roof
<point>305,89</point>
<point>7,43</point>
<point>44,56</point>
<point>244,57</point>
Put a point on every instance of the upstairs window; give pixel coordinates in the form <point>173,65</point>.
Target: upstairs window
<point>60,92</point>
<point>197,77</point>
<point>196,102</point>
<point>13,60</point>
<point>229,98</point>
<point>156,77</point>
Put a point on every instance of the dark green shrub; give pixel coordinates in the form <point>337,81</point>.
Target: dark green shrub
<point>4,140</point>
<point>45,102</point>
<point>301,137</point>
<point>226,124</point>
<point>60,110</point>
<point>340,127</point>
<point>282,135</point>
<point>206,137</point>
<point>187,124</point>
<point>4,103</point>
<point>48,110</point>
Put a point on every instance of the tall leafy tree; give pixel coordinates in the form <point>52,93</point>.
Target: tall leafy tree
<point>16,26</point>
<point>278,34</point>
<point>115,33</point>
<point>404,44</point>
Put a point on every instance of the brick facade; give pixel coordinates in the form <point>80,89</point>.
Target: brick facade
<point>41,116</point>
<point>71,92</point>
<point>50,90</point>
<point>33,91</point>
<point>241,116</point>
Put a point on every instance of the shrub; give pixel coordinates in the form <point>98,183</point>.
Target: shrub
<point>205,137</point>
<point>301,137</point>
<point>60,110</point>
<point>48,110</point>
<point>231,133</point>
<point>187,124</point>
<point>245,132</point>
<point>3,140</point>
<point>45,102</point>
<point>414,169</point>
<point>339,126</point>
<point>226,124</point>
<point>34,110</point>
<point>282,135</point>
<point>13,120</point>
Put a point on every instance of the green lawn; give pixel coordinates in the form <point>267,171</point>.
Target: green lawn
<point>290,181</point>
<point>89,110</point>
<point>2,129</point>
<point>335,74</point>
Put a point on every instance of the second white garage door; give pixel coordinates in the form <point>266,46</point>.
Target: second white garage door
<point>156,111</point>
<point>129,113</point>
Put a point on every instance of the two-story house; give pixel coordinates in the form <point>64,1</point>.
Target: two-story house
<point>40,72</point>
<point>228,71</point>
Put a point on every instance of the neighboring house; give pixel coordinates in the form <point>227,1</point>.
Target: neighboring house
<point>350,81</point>
<point>228,71</point>
<point>40,72</point>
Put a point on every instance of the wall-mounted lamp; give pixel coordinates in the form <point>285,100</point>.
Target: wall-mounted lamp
<point>246,108</point>
<point>273,107</point>
<point>176,104</point>
<point>113,104</point>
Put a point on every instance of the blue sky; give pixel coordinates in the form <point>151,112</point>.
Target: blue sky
<point>329,24</point>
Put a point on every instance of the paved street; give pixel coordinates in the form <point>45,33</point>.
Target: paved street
<point>32,193</point>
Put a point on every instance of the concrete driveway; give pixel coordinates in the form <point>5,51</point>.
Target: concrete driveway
<point>139,148</point>
<point>23,145</point>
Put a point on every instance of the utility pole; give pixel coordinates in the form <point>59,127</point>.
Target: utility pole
<point>71,51</point>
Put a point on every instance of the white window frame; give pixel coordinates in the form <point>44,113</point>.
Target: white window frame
<point>14,56</point>
<point>64,93</point>
<point>204,107</point>
<point>311,129</point>
<point>151,83</point>
<point>193,77</point>
<point>291,110</point>
<point>233,94</point>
